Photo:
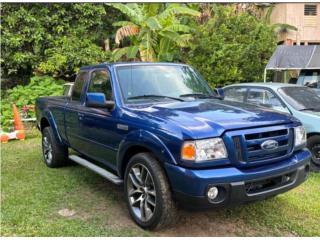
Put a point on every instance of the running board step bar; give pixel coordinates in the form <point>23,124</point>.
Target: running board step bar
<point>104,173</point>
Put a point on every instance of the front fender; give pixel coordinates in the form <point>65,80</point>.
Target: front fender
<point>147,140</point>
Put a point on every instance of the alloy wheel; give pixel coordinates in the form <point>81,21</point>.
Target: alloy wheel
<point>47,150</point>
<point>141,192</point>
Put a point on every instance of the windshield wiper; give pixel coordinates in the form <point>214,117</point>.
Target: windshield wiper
<point>199,95</point>
<point>155,96</point>
<point>308,109</point>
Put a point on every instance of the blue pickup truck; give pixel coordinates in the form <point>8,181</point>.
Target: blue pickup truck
<point>162,132</point>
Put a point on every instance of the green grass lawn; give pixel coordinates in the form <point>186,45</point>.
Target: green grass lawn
<point>32,196</point>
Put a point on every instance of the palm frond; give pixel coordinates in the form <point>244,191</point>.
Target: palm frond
<point>164,45</point>
<point>118,53</point>
<point>132,51</point>
<point>122,23</point>
<point>284,28</point>
<point>129,10</point>
<point>147,47</point>
<point>169,34</point>
<point>153,23</point>
<point>137,8</point>
<point>151,9</point>
<point>177,10</point>
<point>268,13</point>
<point>178,28</point>
<point>126,31</point>
<point>183,40</point>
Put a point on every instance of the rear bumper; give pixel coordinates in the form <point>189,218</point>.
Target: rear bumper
<point>238,186</point>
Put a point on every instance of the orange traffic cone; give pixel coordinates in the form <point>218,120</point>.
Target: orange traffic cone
<point>18,126</point>
<point>4,138</point>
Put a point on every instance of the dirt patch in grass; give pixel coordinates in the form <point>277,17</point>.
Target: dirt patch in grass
<point>211,223</point>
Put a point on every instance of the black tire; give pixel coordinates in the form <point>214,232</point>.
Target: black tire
<point>164,211</point>
<point>54,154</point>
<point>313,144</point>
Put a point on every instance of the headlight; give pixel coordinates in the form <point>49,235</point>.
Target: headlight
<point>300,136</point>
<point>201,150</point>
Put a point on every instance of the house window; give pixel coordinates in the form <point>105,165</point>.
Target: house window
<point>310,10</point>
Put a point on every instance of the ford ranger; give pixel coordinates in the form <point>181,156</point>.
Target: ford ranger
<point>162,132</point>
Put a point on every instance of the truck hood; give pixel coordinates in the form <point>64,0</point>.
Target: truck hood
<point>210,117</point>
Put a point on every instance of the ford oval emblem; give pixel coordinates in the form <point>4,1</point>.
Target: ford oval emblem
<point>269,145</point>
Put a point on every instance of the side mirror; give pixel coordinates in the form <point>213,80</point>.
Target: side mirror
<point>98,100</point>
<point>219,92</point>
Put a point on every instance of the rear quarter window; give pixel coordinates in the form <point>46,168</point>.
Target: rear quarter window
<point>78,86</point>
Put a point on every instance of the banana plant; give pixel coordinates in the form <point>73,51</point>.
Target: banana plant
<point>154,30</point>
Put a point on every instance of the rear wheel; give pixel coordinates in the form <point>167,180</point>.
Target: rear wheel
<point>54,154</point>
<point>313,144</point>
<point>148,193</point>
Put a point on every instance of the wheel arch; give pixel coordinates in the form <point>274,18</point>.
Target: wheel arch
<point>311,134</point>
<point>142,141</point>
<point>47,120</point>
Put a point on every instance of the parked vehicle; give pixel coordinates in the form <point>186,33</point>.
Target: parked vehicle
<point>159,129</point>
<point>67,89</point>
<point>301,102</point>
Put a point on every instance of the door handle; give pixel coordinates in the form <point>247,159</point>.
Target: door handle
<point>80,116</point>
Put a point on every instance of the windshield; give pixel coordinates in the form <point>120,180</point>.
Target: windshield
<point>148,82</point>
<point>301,98</point>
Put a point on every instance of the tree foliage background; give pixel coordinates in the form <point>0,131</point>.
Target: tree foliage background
<point>230,48</point>
<point>225,44</point>
<point>52,38</point>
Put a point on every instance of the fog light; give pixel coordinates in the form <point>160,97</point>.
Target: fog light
<point>212,193</point>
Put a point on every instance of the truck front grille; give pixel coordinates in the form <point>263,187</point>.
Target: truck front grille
<point>254,141</point>
<point>247,144</point>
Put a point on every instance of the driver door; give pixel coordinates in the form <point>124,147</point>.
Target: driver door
<point>99,125</point>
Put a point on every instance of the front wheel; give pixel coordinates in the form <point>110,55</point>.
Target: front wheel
<point>148,193</point>
<point>314,146</point>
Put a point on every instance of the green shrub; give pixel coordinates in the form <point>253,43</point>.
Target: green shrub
<point>231,48</point>
<point>52,39</point>
<point>26,95</point>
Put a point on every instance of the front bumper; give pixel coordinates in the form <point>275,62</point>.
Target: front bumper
<point>235,185</point>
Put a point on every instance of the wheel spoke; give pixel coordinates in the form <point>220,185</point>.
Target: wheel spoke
<point>134,191</point>
<point>147,180</point>
<point>152,203</point>
<point>136,200</point>
<point>147,211</point>
<point>137,174</point>
<point>134,180</point>
<point>152,192</point>
<point>142,210</point>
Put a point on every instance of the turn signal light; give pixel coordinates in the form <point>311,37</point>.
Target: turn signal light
<point>188,151</point>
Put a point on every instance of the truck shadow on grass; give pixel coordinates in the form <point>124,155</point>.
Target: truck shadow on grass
<point>104,202</point>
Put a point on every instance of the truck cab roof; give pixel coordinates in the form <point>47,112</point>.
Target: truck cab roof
<point>106,64</point>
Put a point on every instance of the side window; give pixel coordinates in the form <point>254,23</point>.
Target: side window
<point>78,86</point>
<point>100,82</point>
<point>235,94</point>
<point>264,98</point>
<point>312,80</point>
